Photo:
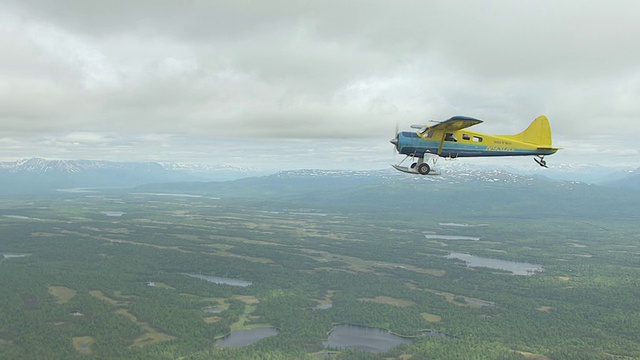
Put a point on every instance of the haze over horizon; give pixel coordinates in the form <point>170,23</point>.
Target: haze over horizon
<point>285,84</point>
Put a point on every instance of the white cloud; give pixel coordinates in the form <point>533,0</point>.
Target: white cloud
<point>221,70</point>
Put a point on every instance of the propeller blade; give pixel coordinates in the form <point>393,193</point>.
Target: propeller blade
<point>394,141</point>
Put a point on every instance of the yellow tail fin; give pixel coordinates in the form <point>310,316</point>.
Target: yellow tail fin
<point>538,133</point>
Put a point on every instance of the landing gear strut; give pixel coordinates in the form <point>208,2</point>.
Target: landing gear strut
<point>540,160</point>
<point>419,165</point>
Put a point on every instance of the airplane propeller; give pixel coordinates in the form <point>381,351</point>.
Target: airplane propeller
<point>394,141</point>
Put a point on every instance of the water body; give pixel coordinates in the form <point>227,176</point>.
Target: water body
<point>451,237</point>
<point>113,213</point>
<point>517,268</point>
<point>177,195</point>
<point>213,310</point>
<point>240,338</point>
<point>363,338</point>
<point>78,190</point>
<point>309,214</point>
<point>461,225</point>
<point>222,280</point>
<point>478,302</point>
<point>324,307</point>
<point>9,256</point>
<point>20,217</point>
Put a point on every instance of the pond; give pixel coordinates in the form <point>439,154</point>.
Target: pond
<point>309,214</point>
<point>478,302</point>
<point>20,217</point>
<point>363,338</point>
<point>451,237</point>
<point>78,190</point>
<point>222,280</point>
<point>9,256</point>
<point>517,268</point>
<point>113,213</point>
<point>324,306</point>
<point>461,225</point>
<point>174,195</point>
<point>213,310</point>
<point>240,338</point>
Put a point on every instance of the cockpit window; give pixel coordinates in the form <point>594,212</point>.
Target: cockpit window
<point>426,134</point>
<point>450,137</point>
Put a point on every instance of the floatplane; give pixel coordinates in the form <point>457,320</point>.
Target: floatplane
<point>452,139</point>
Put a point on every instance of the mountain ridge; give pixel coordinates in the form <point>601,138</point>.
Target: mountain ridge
<point>37,175</point>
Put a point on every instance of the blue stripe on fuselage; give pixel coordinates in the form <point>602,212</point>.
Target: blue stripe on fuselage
<point>409,143</point>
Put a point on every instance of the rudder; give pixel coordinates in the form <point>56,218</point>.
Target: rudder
<point>538,133</point>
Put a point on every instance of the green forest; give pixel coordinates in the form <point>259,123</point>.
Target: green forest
<point>113,275</point>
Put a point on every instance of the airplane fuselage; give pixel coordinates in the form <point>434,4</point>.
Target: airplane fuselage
<point>465,143</point>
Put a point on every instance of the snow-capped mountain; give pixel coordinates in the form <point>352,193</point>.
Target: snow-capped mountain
<point>39,165</point>
<point>586,173</point>
<point>209,169</point>
<point>44,166</point>
<point>448,194</point>
<point>631,180</point>
<point>38,175</point>
<point>42,175</point>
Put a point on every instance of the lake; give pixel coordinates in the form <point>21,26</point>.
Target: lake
<point>222,280</point>
<point>461,225</point>
<point>363,338</point>
<point>517,268</point>
<point>20,217</point>
<point>324,306</point>
<point>451,237</point>
<point>9,256</point>
<point>240,338</point>
<point>177,195</point>
<point>113,213</point>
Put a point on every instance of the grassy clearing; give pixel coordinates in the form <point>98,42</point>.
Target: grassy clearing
<point>328,299</point>
<point>151,336</point>
<point>431,317</point>
<point>532,356</point>
<point>390,301</point>
<point>247,299</point>
<point>98,294</point>
<point>545,308</point>
<point>83,344</point>
<point>212,319</point>
<point>452,298</point>
<point>61,294</point>
<point>367,266</point>
<point>239,325</point>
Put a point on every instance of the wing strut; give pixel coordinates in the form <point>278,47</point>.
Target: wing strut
<point>444,134</point>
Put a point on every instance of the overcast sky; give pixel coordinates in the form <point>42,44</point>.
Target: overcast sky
<point>311,83</point>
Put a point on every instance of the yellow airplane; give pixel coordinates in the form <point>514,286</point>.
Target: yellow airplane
<point>451,139</point>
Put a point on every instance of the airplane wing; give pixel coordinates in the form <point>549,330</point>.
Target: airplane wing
<point>453,124</point>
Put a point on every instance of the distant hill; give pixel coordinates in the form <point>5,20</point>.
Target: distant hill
<point>458,190</point>
<point>452,193</point>
<point>40,176</point>
<point>631,181</point>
